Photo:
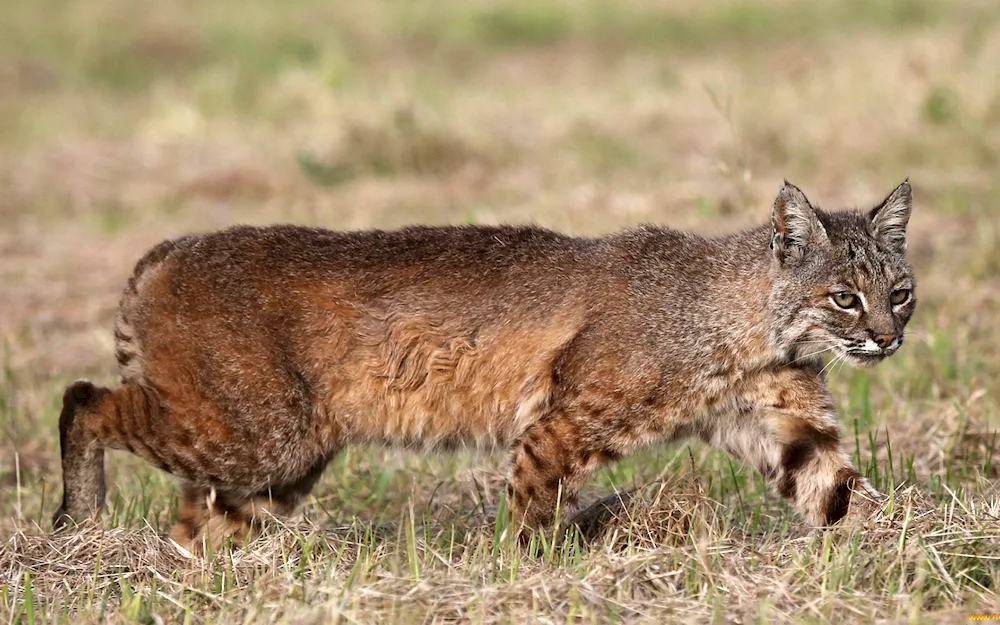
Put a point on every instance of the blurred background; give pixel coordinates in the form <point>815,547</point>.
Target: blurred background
<point>123,123</point>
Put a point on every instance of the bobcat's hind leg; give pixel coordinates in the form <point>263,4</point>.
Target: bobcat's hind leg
<point>207,518</point>
<point>93,418</point>
<point>82,456</point>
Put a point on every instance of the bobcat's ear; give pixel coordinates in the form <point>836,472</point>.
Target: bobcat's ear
<point>795,228</point>
<point>889,218</point>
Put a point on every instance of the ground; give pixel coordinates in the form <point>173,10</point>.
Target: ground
<point>125,123</point>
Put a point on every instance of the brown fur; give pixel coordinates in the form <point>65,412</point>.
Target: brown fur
<point>250,357</point>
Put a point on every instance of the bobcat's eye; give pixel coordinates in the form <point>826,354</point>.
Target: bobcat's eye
<point>899,296</point>
<point>845,299</point>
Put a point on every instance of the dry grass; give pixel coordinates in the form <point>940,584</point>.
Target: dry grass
<point>123,124</point>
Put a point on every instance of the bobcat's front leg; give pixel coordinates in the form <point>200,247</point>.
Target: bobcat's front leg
<point>787,428</point>
<point>550,464</point>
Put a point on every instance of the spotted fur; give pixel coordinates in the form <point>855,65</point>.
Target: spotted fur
<point>250,357</point>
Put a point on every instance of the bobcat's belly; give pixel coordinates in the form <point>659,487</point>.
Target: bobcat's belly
<point>412,382</point>
<point>439,414</point>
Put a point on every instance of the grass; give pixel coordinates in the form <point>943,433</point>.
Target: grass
<point>121,125</point>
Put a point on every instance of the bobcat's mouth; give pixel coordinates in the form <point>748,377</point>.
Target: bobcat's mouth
<point>865,359</point>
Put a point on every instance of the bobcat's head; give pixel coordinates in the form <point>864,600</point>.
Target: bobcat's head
<point>841,282</point>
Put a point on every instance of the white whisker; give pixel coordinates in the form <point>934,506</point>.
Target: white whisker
<point>812,354</point>
<point>839,357</point>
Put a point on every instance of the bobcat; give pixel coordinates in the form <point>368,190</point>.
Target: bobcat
<point>250,357</point>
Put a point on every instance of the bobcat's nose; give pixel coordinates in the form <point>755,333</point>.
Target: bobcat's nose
<point>885,340</point>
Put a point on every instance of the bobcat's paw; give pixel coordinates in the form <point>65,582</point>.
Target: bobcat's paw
<point>866,502</point>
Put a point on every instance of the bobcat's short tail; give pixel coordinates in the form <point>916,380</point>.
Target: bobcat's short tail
<point>128,350</point>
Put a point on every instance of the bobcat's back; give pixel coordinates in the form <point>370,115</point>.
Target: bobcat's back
<point>429,336</point>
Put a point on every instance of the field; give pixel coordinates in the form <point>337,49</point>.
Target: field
<point>124,123</point>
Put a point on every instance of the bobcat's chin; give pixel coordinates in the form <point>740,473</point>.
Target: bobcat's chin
<point>867,359</point>
<point>863,360</point>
